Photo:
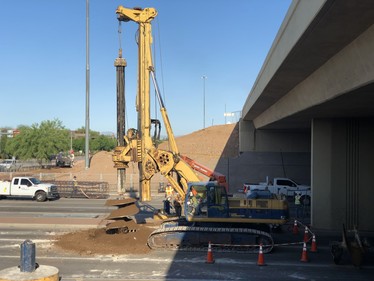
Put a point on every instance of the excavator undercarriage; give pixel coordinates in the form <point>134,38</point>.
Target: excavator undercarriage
<point>198,238</point>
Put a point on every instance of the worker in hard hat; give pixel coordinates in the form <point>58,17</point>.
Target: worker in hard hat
<point>298,204</point>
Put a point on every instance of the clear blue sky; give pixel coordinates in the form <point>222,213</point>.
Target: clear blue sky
<point>43,59</point>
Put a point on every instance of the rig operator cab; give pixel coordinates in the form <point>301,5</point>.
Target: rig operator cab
<point>206,201</point>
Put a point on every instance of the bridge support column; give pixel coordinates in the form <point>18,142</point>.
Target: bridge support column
<point>342,169</point>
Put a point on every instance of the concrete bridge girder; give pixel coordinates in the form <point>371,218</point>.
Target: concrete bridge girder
<point>345,73</point>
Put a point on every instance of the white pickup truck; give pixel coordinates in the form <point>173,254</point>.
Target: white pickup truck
<point>282,186</point>
<point>28,187</point>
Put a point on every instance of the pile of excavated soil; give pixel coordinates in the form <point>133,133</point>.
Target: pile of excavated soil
<point>205,146</point>
<point>98,242</point>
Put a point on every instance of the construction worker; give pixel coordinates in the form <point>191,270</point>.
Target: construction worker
<point>298,204</point>
<point>74,187</point>
<point>72,157</point>
<point>177,203</point>
<point>167,205</point>
<point>169,190</point>
<point>193,203</point>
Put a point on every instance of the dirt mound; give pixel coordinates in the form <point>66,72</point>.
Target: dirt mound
<point>211,142</point>
<point>205,146</point>
<point>98,242</point>
<point>208,145</point>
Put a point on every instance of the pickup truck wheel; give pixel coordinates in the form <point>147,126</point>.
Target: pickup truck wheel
<point>40,196</point>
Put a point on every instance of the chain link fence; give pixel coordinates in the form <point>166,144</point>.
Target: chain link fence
<point>98,185</point>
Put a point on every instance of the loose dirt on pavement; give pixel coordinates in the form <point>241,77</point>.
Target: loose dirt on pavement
<point>98,242</point>
<point>204,146</point>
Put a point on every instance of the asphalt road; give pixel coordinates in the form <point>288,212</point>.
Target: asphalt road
<point>40,222</point>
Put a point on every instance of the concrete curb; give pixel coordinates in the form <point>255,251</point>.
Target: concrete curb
<point>53,223</point>
<point>43,273</point>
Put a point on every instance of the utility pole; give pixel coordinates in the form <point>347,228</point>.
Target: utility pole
<point>87,142</point>
<point>204,78</point>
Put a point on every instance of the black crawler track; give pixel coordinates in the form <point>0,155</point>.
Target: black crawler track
<point>192,238</point>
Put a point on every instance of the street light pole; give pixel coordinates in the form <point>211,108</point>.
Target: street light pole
<point>87,140</point>
<point>204,78</point>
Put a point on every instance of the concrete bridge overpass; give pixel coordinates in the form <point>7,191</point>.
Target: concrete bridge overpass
<point>315,95</point>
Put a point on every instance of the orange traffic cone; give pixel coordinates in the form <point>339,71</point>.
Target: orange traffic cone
<point>304,255</point>
<point>295,229</point>
<point>306,235</point>
<point>314,245</point>
<point>260,260</point>
<point>209,258</point>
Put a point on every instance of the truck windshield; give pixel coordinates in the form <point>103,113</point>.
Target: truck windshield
<point>35,181</point>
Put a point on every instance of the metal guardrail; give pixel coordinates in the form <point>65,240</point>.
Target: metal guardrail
<point>84,189</point>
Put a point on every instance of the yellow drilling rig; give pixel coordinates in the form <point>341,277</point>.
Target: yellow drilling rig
<point>209,212</point>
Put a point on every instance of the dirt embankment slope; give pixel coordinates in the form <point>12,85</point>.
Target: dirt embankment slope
<point>205,146</point>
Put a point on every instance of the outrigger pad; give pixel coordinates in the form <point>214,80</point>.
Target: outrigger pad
<point>120,202</point>
<point>123,212</point>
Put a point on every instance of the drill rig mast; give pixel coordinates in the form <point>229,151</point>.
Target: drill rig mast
<point>139,146</point>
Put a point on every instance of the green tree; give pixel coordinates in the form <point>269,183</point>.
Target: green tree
<point>103,143</point>
<point>93,134</point>
<point>79,144</point>
<point>3,141</point>
<point>39,141</point>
